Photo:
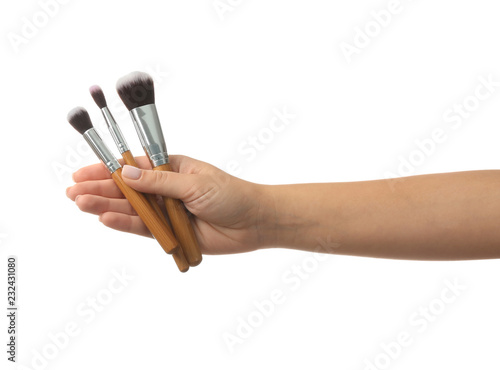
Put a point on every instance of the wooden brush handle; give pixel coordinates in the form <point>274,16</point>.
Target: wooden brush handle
<point>147,214</point>
<point>182,225</point>
<point>178,254</point>
<point>130,160</point>
<point>180,260</point>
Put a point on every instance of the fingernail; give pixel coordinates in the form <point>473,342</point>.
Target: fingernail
<point>78,196</point>
<point>131,172</point>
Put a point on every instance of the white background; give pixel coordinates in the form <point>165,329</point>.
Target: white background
<point>218,81</point>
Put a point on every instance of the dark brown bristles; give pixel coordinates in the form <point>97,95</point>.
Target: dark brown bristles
<point>136,89</point>
<point>98,96</point>
<point>79,118</point>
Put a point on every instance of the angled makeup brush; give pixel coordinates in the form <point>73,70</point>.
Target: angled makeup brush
<point>137,93</point>
<point>128,158</point>
<point>80,120</point>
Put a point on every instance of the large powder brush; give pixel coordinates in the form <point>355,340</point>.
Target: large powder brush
<point>137,92</point>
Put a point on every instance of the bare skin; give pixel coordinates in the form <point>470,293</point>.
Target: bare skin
<point>448,216</point>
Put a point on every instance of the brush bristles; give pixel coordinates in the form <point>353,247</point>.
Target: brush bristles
<point>98,96</point>
<point>80,120</point>
<point>136,89</point>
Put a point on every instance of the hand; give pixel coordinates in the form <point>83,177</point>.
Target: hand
<point>225,208</point>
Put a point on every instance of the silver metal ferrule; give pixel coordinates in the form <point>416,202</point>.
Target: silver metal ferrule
<point>115,131</point>
<point>148,127</point>
<point>101,150</point>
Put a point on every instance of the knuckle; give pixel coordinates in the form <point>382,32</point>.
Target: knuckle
<point>192,192</point>
<point>83,202</point>
<point>127,225</point>
<point>159,181</point>
<point>202,191</point>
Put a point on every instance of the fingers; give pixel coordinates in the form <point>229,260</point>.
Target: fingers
<point>125,223</point>
<point>99,172</point>
<point>170,184</point>
<point>179,163</point>
<point>104,188</point>
<point>98,205</point>
<point>93,172</point>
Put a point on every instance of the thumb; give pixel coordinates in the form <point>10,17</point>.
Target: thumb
<point>165,183</point>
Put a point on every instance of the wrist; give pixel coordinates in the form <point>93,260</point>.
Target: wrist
<point>298,217</point>
<point>266,224</point>
<point>278,222</point>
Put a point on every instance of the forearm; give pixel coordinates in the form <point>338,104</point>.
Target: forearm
<point>432,217</point>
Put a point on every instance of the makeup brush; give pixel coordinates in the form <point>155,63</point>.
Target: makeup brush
<point>99,98</point>
<point>80,120</point>
<point>137,93</point>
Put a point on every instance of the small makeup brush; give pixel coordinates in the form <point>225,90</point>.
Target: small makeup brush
<point>137,93</point>
<point>80,120</point>
<point>99,98</point>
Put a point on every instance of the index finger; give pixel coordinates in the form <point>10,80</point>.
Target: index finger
<point>96,171</point>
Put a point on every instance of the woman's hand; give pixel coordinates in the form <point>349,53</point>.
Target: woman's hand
<point>226,209</point>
